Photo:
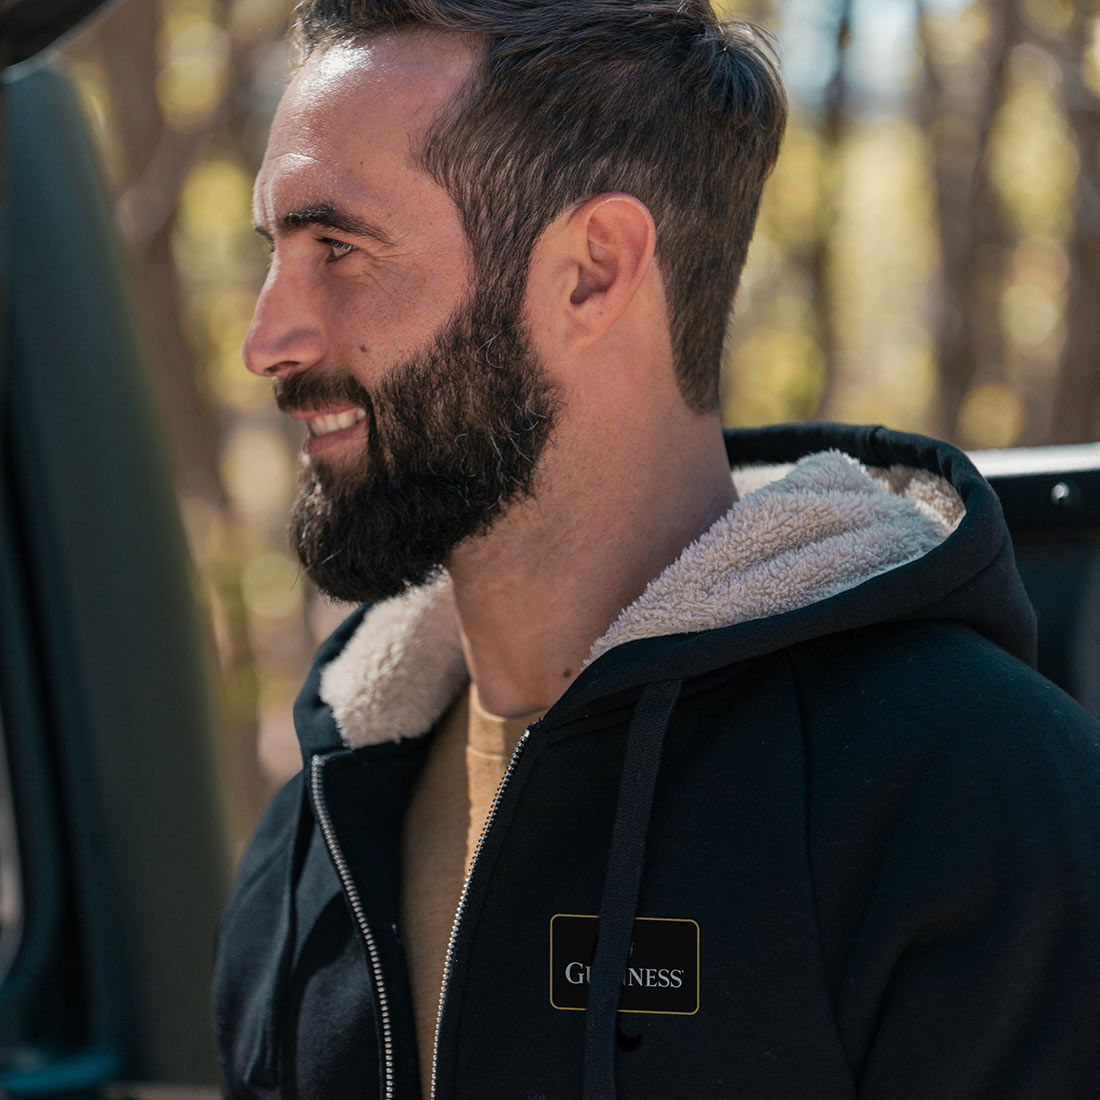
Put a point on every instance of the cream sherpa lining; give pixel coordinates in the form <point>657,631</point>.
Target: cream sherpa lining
<point>797,535</point>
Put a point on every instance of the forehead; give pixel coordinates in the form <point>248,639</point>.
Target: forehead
<point>351,116</point>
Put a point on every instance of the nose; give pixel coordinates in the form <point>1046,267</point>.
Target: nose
<point>286,333</point>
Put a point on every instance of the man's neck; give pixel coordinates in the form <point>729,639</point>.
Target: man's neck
<point>537,592</point>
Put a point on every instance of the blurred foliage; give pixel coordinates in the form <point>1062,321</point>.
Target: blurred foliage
<point>919,261</point>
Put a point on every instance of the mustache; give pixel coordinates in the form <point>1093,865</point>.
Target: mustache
<point>312,389</point>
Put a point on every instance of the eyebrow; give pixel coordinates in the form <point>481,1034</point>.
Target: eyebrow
<point>327,215</point>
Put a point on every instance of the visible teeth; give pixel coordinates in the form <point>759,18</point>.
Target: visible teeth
<point>334,422</point>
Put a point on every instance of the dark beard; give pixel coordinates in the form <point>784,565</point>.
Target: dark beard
<point>453,436</point>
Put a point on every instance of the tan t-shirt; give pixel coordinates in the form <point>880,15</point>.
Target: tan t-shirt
<point>446,814</point>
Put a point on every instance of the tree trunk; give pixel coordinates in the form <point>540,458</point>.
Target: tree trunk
<point>972,236</point>
<point>1076,414</point>
<point>833,125</point>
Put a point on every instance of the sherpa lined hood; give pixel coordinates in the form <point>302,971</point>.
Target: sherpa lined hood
<point>802,532</point>
<point>916,533</point>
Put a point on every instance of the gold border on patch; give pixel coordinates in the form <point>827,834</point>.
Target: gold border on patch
<point>634,1011</point>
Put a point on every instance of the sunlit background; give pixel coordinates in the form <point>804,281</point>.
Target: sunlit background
<point>928,257</point>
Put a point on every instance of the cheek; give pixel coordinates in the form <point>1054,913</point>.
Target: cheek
<point>363,317</point>
<point>407,314</point>
<point>373,329</point>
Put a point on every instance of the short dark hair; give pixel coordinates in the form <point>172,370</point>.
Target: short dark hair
<point>574,98</point>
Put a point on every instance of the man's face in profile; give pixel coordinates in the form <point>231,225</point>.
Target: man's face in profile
<point>426,406</point>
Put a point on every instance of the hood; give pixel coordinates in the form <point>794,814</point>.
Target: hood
<point>834,528</point>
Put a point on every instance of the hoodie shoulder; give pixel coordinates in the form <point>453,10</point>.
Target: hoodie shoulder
<point>925,692</point>
<point>953,831</point>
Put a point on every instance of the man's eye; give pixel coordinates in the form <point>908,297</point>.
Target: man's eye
<point>338,249</point>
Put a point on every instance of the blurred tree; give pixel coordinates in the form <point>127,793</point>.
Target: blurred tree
<point>120,50</point>
<point>959,95</point>
<point>1076,411</point>
<point>834,123</point>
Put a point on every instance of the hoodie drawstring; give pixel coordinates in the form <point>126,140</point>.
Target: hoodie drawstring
<point>623,882</point>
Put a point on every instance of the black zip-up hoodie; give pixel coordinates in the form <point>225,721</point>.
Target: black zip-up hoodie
<point>836,837</point>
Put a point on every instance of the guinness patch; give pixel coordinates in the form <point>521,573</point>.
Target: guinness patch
<point>662,972</point>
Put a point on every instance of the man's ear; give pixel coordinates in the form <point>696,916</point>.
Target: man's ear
<point>609,243</point>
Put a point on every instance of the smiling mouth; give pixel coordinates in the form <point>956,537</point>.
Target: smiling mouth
<point>322,424</point>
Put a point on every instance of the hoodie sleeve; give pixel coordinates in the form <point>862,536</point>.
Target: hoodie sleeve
<point>955,842</point>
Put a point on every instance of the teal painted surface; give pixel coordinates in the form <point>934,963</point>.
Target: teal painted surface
<point>70,1075</point>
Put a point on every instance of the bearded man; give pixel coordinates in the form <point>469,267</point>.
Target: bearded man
<point>631,776</point>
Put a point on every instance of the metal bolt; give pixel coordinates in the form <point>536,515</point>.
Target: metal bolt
<point>1064,495</point>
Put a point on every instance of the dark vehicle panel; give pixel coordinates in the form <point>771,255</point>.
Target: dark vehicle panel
<point>118,866</point>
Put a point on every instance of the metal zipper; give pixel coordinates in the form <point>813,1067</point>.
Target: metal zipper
<point>448,963</point>
<point>333,845</point>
